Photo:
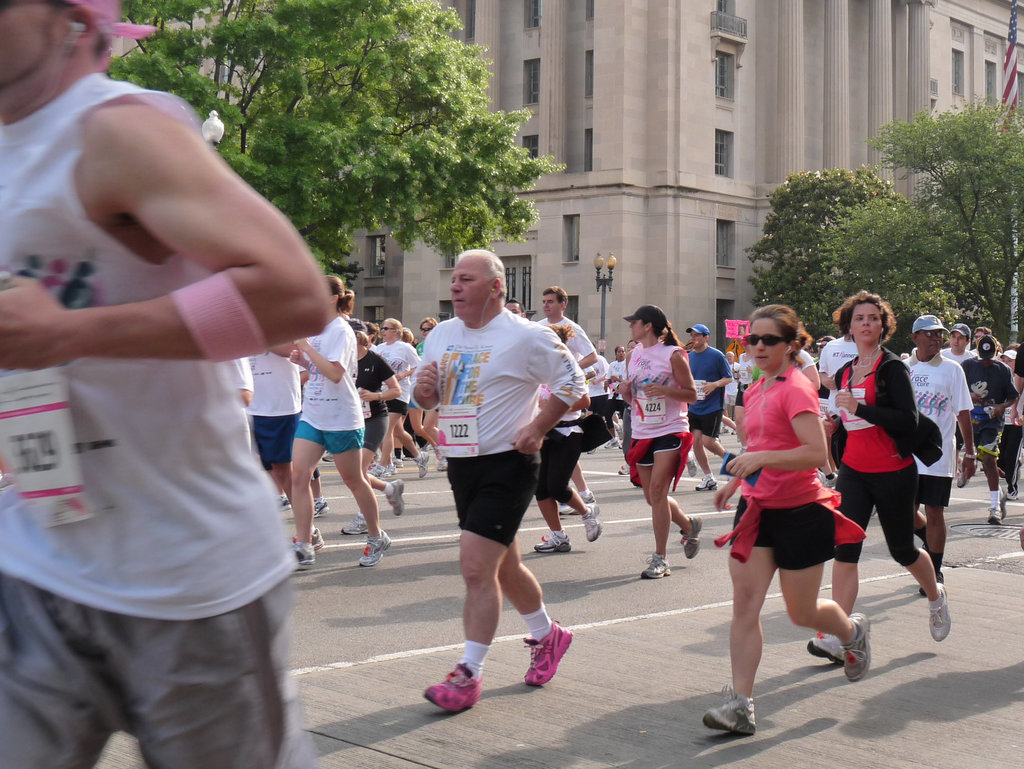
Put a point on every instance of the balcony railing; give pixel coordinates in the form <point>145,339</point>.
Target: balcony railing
<point>729,24</point>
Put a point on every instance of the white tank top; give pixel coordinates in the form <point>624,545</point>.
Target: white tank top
<point>185,522</point>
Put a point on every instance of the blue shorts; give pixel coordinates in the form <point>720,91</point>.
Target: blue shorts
<point>334,441</point>
<point>274,437</point>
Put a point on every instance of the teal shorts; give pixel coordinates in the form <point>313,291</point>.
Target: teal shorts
<point>334,441</point>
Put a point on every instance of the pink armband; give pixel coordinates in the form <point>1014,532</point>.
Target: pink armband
<point>219,318</point>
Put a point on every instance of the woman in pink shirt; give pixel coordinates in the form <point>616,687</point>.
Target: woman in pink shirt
<point>785,521</point>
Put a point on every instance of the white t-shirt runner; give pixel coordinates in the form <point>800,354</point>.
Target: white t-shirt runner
<point>579,344</point>
<point>402,357</point>
<point>277,390</point>
<point>333,406</point>
<point>833,356</point>
<point>948,354</point>
<point>940,387</point>
<point>493,374</point>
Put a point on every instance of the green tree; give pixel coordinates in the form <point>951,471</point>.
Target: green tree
<point>348,115</point>
<point>794,263</point>
<point>968,165</point>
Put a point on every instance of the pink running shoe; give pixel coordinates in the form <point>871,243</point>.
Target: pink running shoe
<point>545,655</point>
<point>459,691</point>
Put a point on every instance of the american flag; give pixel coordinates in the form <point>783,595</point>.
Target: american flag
<point>1010,62</point>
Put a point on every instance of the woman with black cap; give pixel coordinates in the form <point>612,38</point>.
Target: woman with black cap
<point>658,386</point>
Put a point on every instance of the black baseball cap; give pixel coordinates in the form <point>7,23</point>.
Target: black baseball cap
<point>649,313</point>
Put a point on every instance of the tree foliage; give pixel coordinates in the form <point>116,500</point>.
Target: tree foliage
<point>348,115</point>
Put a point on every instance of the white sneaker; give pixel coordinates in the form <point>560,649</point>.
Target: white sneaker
<point>564,509</point>
<point>442,463</point>
<point>395,497</point>
<point>591,522</point>
<point>555,542</point>
<point>377,471</point>
<point>399,462</point>
<point>356,526</point>
<point>319,507</point>
<point>827,647</point>
<point>691,466</point>
<point>708,483</point>
<point>304,557</point>
<point>375,547</point>
<point>588,497</point>
<point>939,621</point>
<point>285,504</point>
<point>389,470</point>
<point>421,463</point>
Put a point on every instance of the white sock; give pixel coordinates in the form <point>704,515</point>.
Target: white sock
<point>709,476</point>
<point>473,656</point>
<point>538,623</point>
<point>993,497</point>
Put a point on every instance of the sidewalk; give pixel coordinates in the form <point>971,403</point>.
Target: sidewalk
<point>631,694</point>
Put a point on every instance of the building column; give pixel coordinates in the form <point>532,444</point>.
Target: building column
<point>918,60</point>
<point>488,36</point>
<point>837,84</point>
<point>791,87</point>
<point>880,74</point>
<point>552,78</point>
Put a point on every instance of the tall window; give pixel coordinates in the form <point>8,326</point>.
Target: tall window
<point>449,260</point>
<point>470,19</point>
<point>723,153</point>
<point>526,288</point>
<point>445,309</point>
<point>510,283</point>
<point>571,239</point>
<point>724,69</point>
<point>375,247</point>
<point>532,13</point>
<point>724,233</point>
<point>531,81</point>
<point>532,144</point>
<point>588,74</point>
<point>588,149</point>
<point>572,308</point>
<point>726,6</point>
<point>990,82</point>
<point>374,314</point>
<point>590,9</point>
<point>958,72</point>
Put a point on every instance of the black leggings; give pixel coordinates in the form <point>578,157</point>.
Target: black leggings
<point>893,495</point>
<point>558,458</point>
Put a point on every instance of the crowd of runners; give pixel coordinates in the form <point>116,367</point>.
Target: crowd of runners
<point>131,318</point>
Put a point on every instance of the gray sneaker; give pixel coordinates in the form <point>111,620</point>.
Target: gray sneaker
<point>304,557</point>
<point>691,466</point>
<point>736,714</point>
<point>318,540</point>
<point>993,516</point>
<point>319,507</point>
<point>591,522</point>
<point>421,463</point>
<point>939,621</point>
<point>356,526</point>
<point>707,484</point>
<point>1003,496</point>
<point>395,498</point>
<point>827,647</point>
<point>656,568</point>
<point>556,542</point>
<point>857,653</point>
<point>375,547</point>
<point>691,540</point>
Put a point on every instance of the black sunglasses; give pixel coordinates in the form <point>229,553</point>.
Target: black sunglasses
<point>770,340</point>
<point>425,330</point>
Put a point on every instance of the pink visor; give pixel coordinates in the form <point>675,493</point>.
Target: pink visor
<point>108,18</point>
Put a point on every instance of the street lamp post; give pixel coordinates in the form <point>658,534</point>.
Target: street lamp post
<point>604,285</point>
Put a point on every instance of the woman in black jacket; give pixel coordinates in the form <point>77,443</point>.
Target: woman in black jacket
<point>879,412</point>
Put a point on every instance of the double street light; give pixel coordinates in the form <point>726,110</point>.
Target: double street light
<point>604,285</point>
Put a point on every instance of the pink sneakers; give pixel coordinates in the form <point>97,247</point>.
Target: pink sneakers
<point>545,655</point>
<point>459,691</point>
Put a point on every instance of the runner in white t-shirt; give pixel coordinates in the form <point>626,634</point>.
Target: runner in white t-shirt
<point>484,369</point>
<point>403,360</point>
<point>332,420</point>
<point>275,407</point>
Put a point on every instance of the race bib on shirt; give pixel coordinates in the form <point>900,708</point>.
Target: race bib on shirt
<point>851,421</point>
<point>699,384</point>
<point>653,411</point>
<point>457,428</point>
<point>37,445</point>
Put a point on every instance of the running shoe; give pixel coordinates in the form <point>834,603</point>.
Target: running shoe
<point>395,497</point>
<point>961,479</point>
<point>459,691</point>
<point>707,484</point>
<point>939,621</point>
<point>546,654</point>
<point>691,541</point>
<point>857,653</point>
<point>829,481</point>
<point>375,547</point>
<point>377,471</point>
<point>304,557</point>
<point>564,509</point>
<point>827,647</point>
<point>327,458</point>
<point>656,568</point>
<point>557,542</point>
<point>1003,496</point>
<point>319,507</point>
<point>317,540</point>
<point>736,714</point>
<point>691,466</point>
<point>591,522</point>
<point>421,463</point>
<point>389,470</point>
<point>993,516</point>
<point>624,470</point>
<point>356,526</point>
<point>398,462</point>
<point>285,504</point>
<point>588,497</point>
<point>442,463</point>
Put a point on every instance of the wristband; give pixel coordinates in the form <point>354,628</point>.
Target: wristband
<point>970,456</point>
<point>219,319</point>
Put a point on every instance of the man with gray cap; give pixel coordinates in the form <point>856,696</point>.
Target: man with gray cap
<point>711,373</point>
<point>940,387</point>
<point>992,391</point>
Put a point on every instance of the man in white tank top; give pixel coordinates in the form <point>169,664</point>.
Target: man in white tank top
<point>143,564</point>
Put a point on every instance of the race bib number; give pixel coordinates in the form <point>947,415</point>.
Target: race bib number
<point>37,445</point>
<point>699,384</point>
<point>824,406</point>
<point>851,421</point>
<point>366,409</point>
<point>457,426</point>
<point>653,411</point>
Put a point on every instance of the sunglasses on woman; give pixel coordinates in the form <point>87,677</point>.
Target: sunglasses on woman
<point>770,340</point>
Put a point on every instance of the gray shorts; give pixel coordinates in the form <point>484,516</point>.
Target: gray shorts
<point>210,693</point>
